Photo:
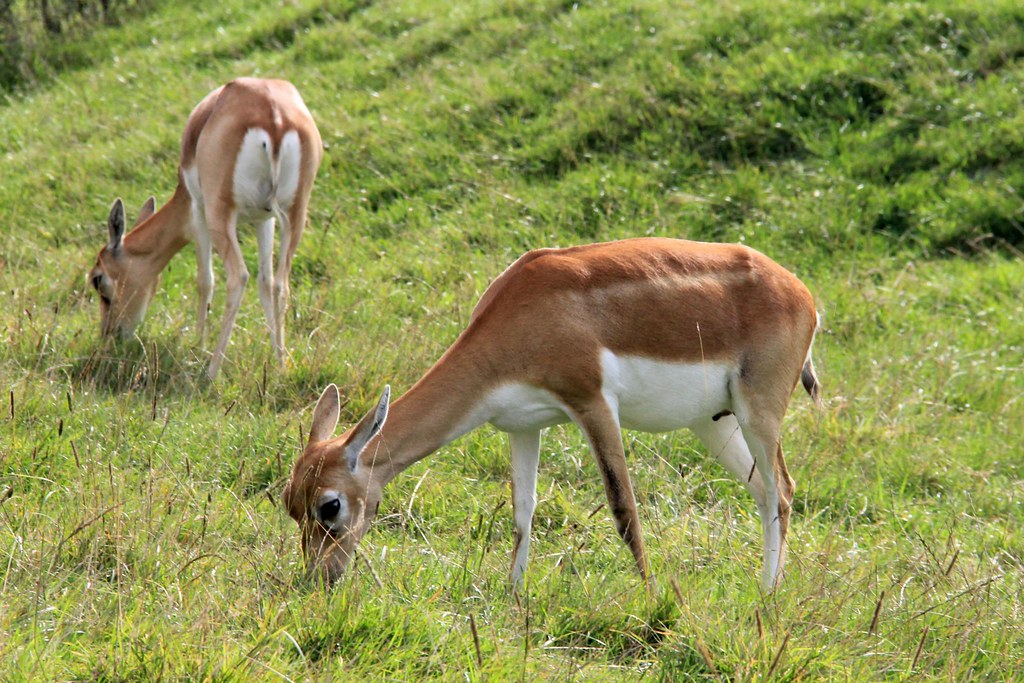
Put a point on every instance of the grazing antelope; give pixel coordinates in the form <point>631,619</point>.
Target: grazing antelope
<point>249,154</point>
<point>649,334</point>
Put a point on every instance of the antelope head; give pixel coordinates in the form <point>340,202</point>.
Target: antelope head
<point>123,286</point>
<point>333,494</point>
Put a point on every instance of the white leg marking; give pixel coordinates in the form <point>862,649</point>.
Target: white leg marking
<point>725,442</point>
<point>525,458</point>
<point>763,445</point>
<point>237,276</point>
<point>265,279</point>
<point>282,289</point>
<point>204,269</point>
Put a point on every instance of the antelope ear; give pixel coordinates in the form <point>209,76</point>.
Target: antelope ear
<point>147,210</point>
<point>325,415</point>
<point>368,428</point>
<point>115,225</point>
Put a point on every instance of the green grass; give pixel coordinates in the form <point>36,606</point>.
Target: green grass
<point>874,149</point>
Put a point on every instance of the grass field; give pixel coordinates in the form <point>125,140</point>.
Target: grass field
<point>877,150</point>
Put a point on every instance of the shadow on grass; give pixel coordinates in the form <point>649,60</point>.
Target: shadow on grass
<point>168,366</point>
<point>989,231</point>
<point>613,633</point>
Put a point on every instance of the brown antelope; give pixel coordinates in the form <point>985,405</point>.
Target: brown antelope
<point>249,154</point>
<point>649,334</point>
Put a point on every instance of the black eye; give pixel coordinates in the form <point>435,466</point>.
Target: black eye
<point>330,509</point>
<point>96,279</point>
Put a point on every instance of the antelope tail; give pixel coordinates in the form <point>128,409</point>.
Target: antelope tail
<point>274,163</point>
<point>808,377</point>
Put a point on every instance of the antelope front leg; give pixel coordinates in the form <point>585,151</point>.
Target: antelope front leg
<point>525,457</point>
<point>601,425</point>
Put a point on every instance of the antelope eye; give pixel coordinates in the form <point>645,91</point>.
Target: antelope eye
<point>330,509</point>
<point>96,279</point>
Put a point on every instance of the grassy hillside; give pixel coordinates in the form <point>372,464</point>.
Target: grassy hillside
<point>874,149</point>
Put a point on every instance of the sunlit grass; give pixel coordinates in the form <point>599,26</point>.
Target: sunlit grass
<point>872,148</point>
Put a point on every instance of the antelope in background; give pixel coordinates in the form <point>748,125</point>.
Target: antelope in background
<point>649,334</point>
<point>249,154</point>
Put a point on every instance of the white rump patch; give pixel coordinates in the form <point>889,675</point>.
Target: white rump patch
<point>195,190</point>
<point>257,183</point>
<point>289,163</point>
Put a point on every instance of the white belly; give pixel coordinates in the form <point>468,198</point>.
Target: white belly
<point>648,395</point>
<point>660,396</point>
